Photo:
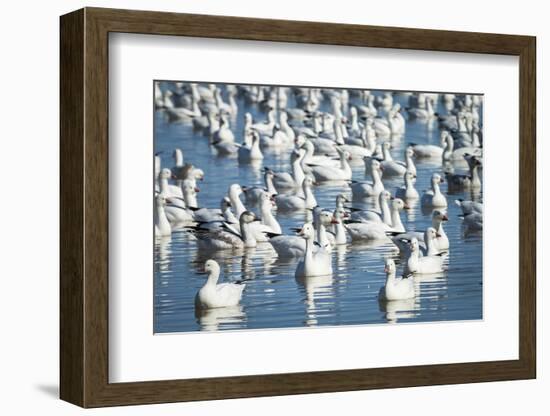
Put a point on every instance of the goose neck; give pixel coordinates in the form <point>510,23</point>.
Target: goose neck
<point>269,185</point>
<point>213,277</point>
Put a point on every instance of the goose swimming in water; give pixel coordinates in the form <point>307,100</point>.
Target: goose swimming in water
<point>226,238</point>
<point>162,225</point>
<point>396,288</point>
<point>368,189</point>
<point>407,192</point>
<point>214,295</point>
<point>296,202</point>
<point>422,265</point>
<point>433,197</point>
<point>315,262</point>
<point>471,181</point>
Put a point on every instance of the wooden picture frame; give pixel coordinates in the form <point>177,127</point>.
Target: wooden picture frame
<point>84,207</point>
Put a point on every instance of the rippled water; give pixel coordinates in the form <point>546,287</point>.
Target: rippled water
<point>273,297</point>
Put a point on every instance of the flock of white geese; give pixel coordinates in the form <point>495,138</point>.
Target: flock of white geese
<point>322,146</point>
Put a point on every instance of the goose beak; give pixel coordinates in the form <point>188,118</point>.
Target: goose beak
<point>386,269</point>
<point>445,218</point>
<point>442,180</point>
<point>437,235</point>
<point>173,176</point>
<point>301,232</point>
<point>334,221</point>
<point>197,189</point>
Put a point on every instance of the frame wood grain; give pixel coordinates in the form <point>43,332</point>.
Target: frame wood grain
<point>84,207</point>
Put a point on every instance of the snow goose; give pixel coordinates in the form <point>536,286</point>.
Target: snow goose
<point>329,173</point>
<point>310,158</point>
<point>322,219</point>
<point>226,238</point>
<point>422,114</point>
<point>199,214</point>
<point>371,215</point>
<point>252,152</point>
<point>369,189</point>
<point>162,225</point>
<point>287,180</point>
<point>473,221</point>
<point>339,233</point>
<point>214,295</point>
<point>265,128</point>
<point>179,113</point>
<point>368,110</point>
<point>458,154</point>
<point>433,197</point>
<point>372,230</point>
<point>469,207</point>
<point>315,262</point>
<point>229,219</point>
<point>254,193</point>
<point>390,166</point>
<point>168,190</point>
<point>407,192</point>
<point>430,151</point>
<point>471,181</point>
<point>224,133</point>
<point>266,214</point>
<point>441,242</point>
<point>396,288</point>
<point>422,265</point>
<point>296,202</point>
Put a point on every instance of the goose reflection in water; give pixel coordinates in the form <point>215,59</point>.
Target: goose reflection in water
<point>230,317</point>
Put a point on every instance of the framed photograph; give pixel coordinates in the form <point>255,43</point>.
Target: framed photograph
<point>257,207</point>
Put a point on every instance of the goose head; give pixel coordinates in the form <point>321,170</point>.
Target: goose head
<point>430,234</point>
<point>409,176</point>
<point>307,183</point>
<point>409,152</point>
<point>385,195</point>
<point>389,267</point>
<point>165,173</point>
<point>397,204</point>
<point>307,231</point>
<point>161,200</point>
<point>437,179</point>
<point>300,140</point>
<point>198,174</point>
<point>413,245</point>
<point>211,266</point>
<point>440,215</point>
<point>248,217</point>
<point>340,199</point>
<point>266,200</point>
<point>325,218</point>
<point>188,188</point>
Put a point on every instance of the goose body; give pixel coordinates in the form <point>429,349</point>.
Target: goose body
<point>422,265</point>
<point>287,202</point>
<point>369,189</point>
<point>329,173</point>
<point>433,197</point>
<point>315,262</point>
<point>396,288</point>
<point>215,295</point>
<point>407,192</point>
